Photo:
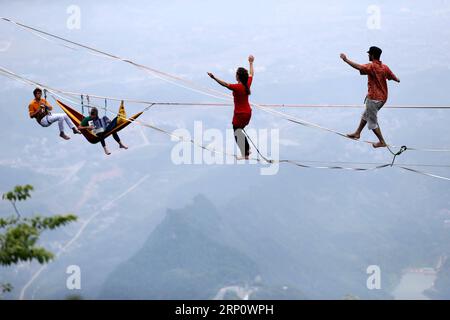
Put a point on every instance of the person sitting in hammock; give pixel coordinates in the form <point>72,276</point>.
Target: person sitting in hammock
<point>40,110</point>
<point>242,110</point>
<point>100,127</point>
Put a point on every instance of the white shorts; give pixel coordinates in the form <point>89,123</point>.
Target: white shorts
<point>371,113</point>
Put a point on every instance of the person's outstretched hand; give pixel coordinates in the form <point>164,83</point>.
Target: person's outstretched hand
<point>211,75</point>
<point>343,56</point>
<point>251,58</point>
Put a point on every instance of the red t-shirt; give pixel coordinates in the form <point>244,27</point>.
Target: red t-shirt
<point>241,104</point>
<point>377,74</point>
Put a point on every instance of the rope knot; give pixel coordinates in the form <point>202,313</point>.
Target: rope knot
<point>402,149</point>
<point>399,152</point>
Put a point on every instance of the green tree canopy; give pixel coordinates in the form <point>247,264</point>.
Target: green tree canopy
<point>19,236</point>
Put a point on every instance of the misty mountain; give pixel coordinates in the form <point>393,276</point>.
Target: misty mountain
<point>441,287</point>
<point>181,260</point>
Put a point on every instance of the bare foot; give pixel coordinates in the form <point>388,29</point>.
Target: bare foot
<point>106,151</point>
<point>63,135</point>
<point>122,146</point>
<point>355,136</point>
<point>379,144</point>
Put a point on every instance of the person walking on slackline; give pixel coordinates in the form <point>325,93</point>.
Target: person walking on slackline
<point>377,74</point>
<point>242,110</point>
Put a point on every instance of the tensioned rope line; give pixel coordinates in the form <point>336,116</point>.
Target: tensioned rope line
<point>268,105</point>
<point>424,173</point>
<point>148,125</point>
<point>218,104</point>
<point>181,138</point>
<point>139,122</point>
<point>159,74</point>
<point>60,94</point>
<point>376,163</point>
<point>10,73</point>
<point>314,125</point>
<point>206,91</point>
<point>351,106</point>
<point>395,154</point>
<point>378,166</point>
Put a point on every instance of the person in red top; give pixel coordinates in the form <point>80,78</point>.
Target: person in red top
<point>377,74</point>
<point>242,110</point>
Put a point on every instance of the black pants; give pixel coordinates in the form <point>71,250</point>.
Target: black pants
<point>108,128</point>
<point>240,137</point>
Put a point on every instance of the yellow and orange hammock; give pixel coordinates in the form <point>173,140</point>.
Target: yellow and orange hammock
<point>76,117</point>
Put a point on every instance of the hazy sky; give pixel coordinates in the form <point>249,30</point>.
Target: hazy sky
<point>294,42</point>
<point>296,45</point>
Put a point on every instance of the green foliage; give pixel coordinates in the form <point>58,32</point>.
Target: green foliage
<point>5,287</point>
<point>19,236</point>
<point>20,193</point>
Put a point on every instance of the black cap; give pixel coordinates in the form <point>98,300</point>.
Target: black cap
<point>375,51</point>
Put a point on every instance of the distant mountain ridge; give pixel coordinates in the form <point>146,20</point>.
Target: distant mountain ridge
<point>181,261</point>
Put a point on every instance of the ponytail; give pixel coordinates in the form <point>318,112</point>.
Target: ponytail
<point>247,89</point>
<point>242,74</point>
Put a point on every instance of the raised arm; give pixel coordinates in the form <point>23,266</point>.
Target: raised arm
<point>392,76</point>
<point>221,82</point>
<point>250,61</point>
<point>351,63</point>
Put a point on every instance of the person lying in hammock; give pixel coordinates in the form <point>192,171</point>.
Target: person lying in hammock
<point>242,110</point>
<point>40,110</point>
<point>101,126</point>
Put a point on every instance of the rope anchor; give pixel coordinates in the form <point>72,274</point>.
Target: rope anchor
<point>395,154</point>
